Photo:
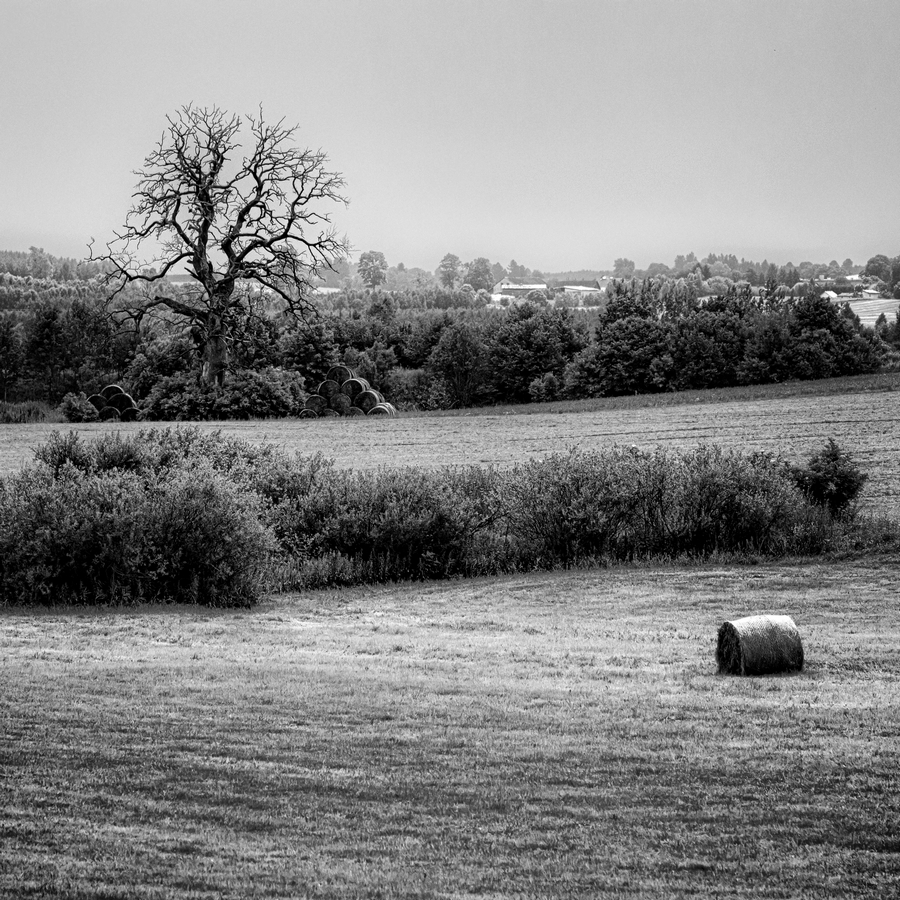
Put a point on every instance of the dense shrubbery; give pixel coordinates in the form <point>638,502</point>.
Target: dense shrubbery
<point>251,394</point>
<point>111,522</point>
<point>77,408</point>
<point>182,515</point>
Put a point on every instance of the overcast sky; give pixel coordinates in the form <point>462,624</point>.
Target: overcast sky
<point>561,133</point>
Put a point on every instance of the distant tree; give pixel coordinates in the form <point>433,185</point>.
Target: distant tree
<point>40,263</point>
<point>448,272</point>
<point>459,360</point>
<point>515,270</point>
<point>628,356</point>
<point>372,268</point>
<point>46,347</point>
<point>498,273</point>
<point>879,267</point>
<point>478,274</point>
<point>12,355</point>
<point>230,220</point>
<point>531,342</point>
<point>382,306</point>
<point>706,349</point>
<point>847,265</point>
<point>895,272</point>
<point>623,268</point>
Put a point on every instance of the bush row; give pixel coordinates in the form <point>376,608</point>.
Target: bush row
<point>182,515</point>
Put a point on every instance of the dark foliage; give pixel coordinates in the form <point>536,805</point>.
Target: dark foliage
<point>832,479</point>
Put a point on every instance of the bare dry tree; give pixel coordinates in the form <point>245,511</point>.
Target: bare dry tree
<point>231,222</point>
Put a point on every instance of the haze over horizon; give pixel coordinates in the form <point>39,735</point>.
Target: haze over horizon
<point>562,134</point>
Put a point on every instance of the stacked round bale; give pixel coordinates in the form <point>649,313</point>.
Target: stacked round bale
<point>113,404</point>
<point>343,394</point>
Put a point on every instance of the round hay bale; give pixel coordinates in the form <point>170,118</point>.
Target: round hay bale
<point>340,403</point>
<point>316,402</point>
<point>340,374</point>
<point>110,391</point>
<point>121,401</point>
<point>329,413</point>
<point>379,410</point>
<point>98,401</point>
<point>307,413</point>
<point>379,395</point>
<point>366,400</point>
<point>108,414</point>
<point>354,411</point>
<point>328,388</point>
<point>353,387</point>
<point>129,414</point>
<point>759,645</point>
<point>392,408</point>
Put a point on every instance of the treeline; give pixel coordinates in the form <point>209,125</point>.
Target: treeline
<point>434,348</point>
<point>37,263</point>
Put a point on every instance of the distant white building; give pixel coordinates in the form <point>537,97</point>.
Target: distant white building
<point>515,288</point>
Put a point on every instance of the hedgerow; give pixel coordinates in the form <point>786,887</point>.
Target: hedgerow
<point>182,515</point>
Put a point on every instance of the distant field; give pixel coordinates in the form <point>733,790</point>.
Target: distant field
<point>868,311</point>
<point>551,735</point>
<point>862,414</point>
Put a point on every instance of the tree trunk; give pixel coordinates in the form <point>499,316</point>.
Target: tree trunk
<point>215,351</point>
<point>215,346</point>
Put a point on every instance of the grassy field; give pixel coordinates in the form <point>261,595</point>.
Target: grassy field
<point>545,736</point>
<point>795,419</point>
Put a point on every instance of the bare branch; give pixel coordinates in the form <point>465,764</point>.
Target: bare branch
<point>231,218</point>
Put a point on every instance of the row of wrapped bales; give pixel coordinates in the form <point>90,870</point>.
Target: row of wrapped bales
<point>343,394</point>
<point>113,404</point>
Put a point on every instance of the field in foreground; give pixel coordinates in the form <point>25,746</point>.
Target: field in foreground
<point>552,735</point>
<point>796,419</point>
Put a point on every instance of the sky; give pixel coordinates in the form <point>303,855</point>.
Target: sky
<point>559,133</point>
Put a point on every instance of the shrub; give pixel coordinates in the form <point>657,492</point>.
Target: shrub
<point>408,388</point>
<point>204,539</point>
<point>831,479</point>
<point>75,536</point>
<point>68,538</point>
<point>77,408</point>
<point>624,503</point>
<point>268,393</point>
<point>386,525</point>
<point>544,388</point>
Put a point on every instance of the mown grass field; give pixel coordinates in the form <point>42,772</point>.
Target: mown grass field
<point>795,419</point>
<point>557,735</point>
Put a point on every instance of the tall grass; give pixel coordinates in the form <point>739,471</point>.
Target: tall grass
<point>186,515</point>
<point>27,412</point>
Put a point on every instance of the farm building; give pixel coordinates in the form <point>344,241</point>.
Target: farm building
<point>513,287</point>
<point>516,288</point>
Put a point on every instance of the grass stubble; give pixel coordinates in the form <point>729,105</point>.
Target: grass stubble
<point>552,735</point>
